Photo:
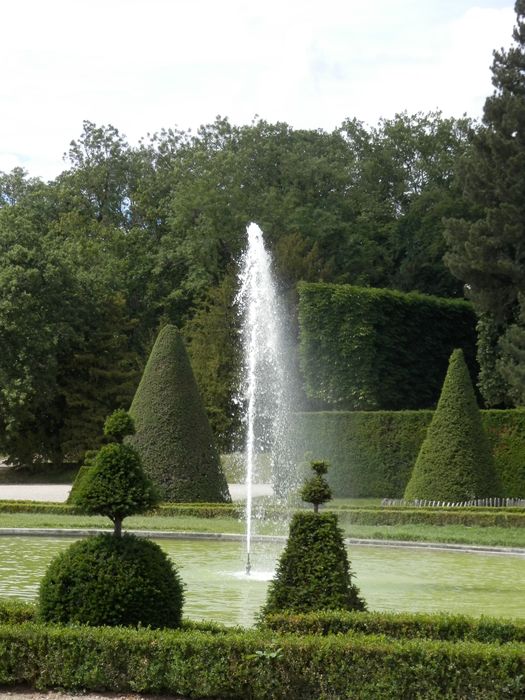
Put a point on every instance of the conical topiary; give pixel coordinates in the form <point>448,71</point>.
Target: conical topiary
<point>313,572</point>
<point>173,435</point>
<point>454,462</point>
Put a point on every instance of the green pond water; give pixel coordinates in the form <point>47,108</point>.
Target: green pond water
<point>390,578</point>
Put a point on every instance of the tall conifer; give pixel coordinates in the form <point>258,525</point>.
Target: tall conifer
<point>487,253</point>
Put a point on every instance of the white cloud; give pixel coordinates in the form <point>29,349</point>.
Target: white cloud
<point>146,64</point>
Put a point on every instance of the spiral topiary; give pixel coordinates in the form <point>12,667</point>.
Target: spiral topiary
<point>107,580</point>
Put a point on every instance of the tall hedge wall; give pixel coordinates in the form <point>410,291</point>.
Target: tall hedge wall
<point>368,349</point>
<point>372,452</point>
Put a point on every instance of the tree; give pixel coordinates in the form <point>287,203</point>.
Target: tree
<point>313,572</point>
<point>117,485</point>
<point>215,355</point>
<point>173,435</point>
<point>454,462</point>
<point>113,579</point>
<point>316,490</point>
<point>487,253</point>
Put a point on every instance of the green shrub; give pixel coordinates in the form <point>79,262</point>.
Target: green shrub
<point>14,612</point>
<point>506,434</point>
<point>116,485</point>
<point>118,425</point>
<point>313,572</point>
<point>372,453</point>
<point>258,665</point>
<point>369,349</point>
<point>80,480</point>
<point>473,517</point>
<point>173,435</point>
<point>454,462</point>
<point>399,625</point>
<point>316,489</point>
<point>107,580</point>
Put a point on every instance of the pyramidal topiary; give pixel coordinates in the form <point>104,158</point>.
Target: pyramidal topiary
<point>172,432</point>
<point>454,462</point>
<point>313,572</point>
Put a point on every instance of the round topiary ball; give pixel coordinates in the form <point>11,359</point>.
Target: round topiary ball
<point>106,580</point>
<point>119,425</point>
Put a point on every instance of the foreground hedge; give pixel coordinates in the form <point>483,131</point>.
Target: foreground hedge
<point>400,625</point>
<point>372,453</point>
<point>258,664</point>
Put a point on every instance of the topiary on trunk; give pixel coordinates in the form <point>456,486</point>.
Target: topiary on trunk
<point>313,572</point>
<point>116,484</point>
<point>454,462</point>
<point>173,435</point>
<point>113,579</point>
<point>316,490</point>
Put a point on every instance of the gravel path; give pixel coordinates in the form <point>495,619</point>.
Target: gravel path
<point>28,694</point>
<point>59,492</point>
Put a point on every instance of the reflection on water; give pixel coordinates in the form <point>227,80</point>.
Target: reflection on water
<point>217,587</point>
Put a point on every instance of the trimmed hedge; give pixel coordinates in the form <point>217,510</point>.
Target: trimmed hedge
<point>369,349</point>
<point>108,580</point>
<point>259,665</point>
<point>433,516</point>
<point>373,453</point>
<point>313,571</point>
<point>445,627</point>
<point>454,462</point>
<point>173,435</point>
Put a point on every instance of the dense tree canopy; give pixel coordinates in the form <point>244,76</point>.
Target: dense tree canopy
<point>129,238</point>
<point>488,253</point>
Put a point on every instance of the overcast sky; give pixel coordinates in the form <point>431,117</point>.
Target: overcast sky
<point>141,65</point>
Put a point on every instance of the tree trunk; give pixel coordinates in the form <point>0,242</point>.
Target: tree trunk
<point>117,527</point>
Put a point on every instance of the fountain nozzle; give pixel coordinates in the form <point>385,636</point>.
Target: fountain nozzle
<point>248,565</point>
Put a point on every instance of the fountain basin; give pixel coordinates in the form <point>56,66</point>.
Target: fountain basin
<point>390,578</point>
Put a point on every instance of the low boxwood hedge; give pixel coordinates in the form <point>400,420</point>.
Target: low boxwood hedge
<point>433,516</point>
<point>444,627</point>
<point>258,664</point>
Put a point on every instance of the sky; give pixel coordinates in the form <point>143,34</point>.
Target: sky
<point>144,65</point>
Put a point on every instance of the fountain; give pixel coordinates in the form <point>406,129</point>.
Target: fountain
<point>265,389</point>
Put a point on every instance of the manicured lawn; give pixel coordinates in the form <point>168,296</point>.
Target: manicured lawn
<point>459,534</point>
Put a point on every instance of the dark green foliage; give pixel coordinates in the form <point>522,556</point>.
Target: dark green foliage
<point>81,479</point>
<point>106,580</point>
<point>258,665</point>
<point>173,435</point>
<point>378,349</point>
<point>401,625</point>
<point>372,453</point>
<point>506,433</point>
<point>313,572</point>
<point>472,516</point>
<point>486,251</point>
<point>215,355</point>
<point>454,462</point>
<point>116,484</point>
<point>316,489</point>
<point>118,425</point>
<point>14,612</point>
<point>511,364</point>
